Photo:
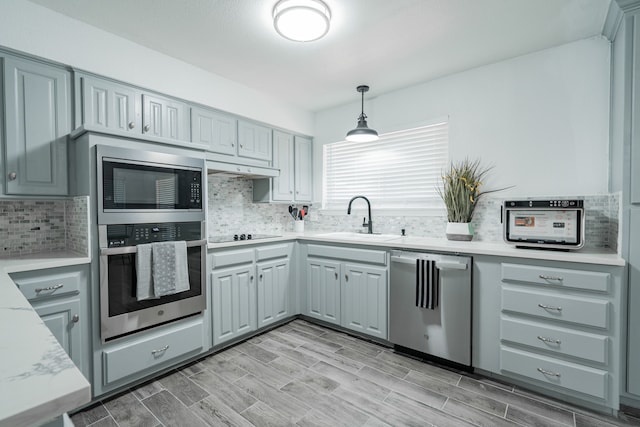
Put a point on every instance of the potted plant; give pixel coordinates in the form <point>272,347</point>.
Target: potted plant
<point>461,191</point>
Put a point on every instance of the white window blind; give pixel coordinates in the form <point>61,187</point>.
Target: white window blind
<point>401,170</point>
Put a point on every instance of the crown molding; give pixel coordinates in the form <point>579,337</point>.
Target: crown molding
<point>612,21</point>
<point>628,6</point>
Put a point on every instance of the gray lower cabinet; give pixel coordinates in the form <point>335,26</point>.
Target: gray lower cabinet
<point>37,120</point>
<point>556,326</point>
<point>273,284</point>
<point>633,368</point>
<point>348,287</point>
<point>60,297</point>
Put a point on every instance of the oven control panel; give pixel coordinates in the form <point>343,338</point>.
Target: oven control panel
<point>119,235</point>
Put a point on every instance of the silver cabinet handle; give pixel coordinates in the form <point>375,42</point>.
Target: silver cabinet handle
<point>549,340</point>
<point>346,277</point>
<point>550,307</point>
<point>75,318</point>
<point>12,176</point>
<point>233,145</point>
<point>146,128</point>
<point>336,276</point>
<point>132,125</point>
<point>251,278</point>
<point>241,146</point>
<point>548,373</point>
<point>557,278</point>
<point>260,277</point>
<point>161,350</point>
<point>50,288</point>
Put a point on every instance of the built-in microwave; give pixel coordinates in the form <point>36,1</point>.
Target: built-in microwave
<point>544,224</point>
<point>136,186</point>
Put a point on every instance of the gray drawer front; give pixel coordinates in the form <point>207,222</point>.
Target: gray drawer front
<point>558,340</point>
<point>226,258</point>
<point>588,280</point>
<point>273,251</point>
<point>548,370</point>
<point>348,254</point>
<point>584,311</point>
<point>132,358</point>
<point>51,285</point>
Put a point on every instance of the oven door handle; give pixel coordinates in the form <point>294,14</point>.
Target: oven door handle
<point>133,249</point>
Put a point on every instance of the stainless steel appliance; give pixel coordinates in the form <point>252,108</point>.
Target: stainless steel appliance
<point>137,186</point>
<point>444,331</point>
<point>548,224</point>
<point>120,311</point>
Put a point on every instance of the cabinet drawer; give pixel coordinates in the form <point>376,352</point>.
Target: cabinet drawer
<point>558,340</point>
<point>134,357</point>
<point>348,254</point>
<point>571,376</point>
<point>224,259</point>
<point>588,280</point>
<point>35,288</point>
<point>272,251</point>
<point>585,311</point>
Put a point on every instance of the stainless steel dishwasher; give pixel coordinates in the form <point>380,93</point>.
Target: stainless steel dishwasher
<point>445,330</point>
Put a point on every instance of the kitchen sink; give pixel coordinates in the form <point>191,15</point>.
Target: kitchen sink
<point>359,236</point>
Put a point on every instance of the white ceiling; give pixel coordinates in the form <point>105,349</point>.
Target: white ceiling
<point>387,44</point>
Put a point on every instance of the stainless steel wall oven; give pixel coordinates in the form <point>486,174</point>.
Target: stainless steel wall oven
<point>121,312</point>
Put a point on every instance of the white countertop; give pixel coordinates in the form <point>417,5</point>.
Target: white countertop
<point>585,256</point>
<point>38,381</point>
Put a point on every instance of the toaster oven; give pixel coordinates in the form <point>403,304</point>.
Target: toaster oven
<point>544,224</point>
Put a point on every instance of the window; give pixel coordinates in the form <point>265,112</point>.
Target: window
<point>399,171</point>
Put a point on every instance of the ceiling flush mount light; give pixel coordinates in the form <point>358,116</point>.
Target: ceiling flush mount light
<point>301,20</point>
<point>362,133</point>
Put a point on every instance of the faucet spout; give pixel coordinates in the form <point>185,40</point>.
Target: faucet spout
<point>369,224</point>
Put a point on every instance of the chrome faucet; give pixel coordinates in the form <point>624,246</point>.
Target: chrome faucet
<point>369,224</point>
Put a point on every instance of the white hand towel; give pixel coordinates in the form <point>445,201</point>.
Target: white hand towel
<point>144,287</point>
<point>170,274</point>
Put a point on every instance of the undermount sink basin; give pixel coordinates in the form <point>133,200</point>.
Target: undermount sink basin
<point>359,236</point>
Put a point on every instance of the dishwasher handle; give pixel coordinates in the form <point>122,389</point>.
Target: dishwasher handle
<point>441,265</point>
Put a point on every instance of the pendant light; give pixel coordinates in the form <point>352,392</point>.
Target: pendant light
<point>362,133</point>
<point>301,20</point>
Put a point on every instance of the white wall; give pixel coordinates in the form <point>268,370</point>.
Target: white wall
<point>542,119</point>
<point>31,28</point>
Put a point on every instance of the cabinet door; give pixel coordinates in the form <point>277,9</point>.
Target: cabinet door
<point>273,291</point>
<point>37,112</point>
<point>62,317</point>
<point>165,118</point>
<point>109,105</point>
<point>364,299</point>
<point>254,141</point>
<point>633,370</point>
<point>323,290</point>
<point>303,169</point>
<point>283,160</point>
<point>217,131</point>
<point>633,25</point>
<point>233,302</point>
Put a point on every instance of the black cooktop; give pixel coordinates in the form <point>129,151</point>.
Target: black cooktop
<point>239,237</point>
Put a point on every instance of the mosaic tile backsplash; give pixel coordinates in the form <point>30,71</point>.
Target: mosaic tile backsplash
<point>231,210</point>
<point>32,226</point>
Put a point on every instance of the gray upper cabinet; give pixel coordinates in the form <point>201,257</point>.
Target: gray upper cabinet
<point>254,141</point>
<point>219,132</point>
<point>303,173</point>
<point>165,118</point>
<point>293,156</point>
<point>37,122</point>
<point>110,105</point>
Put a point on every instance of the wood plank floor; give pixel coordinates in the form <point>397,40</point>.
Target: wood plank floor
<point>305,375</point>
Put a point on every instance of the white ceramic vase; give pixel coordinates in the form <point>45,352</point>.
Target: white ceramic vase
<point>459,231</point>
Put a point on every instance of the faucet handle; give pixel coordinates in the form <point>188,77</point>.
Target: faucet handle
<point>364,221</point>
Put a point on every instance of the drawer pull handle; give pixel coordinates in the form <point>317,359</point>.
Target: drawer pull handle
<point>550,307</point>
<point>557,278</point>
<point>162,350</point>
<point>50,288</point>
<point>548,373</point>
<point>549,340</point>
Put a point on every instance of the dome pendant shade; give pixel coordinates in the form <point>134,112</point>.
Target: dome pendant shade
<point>362,133</point>
<point>301,20</point>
